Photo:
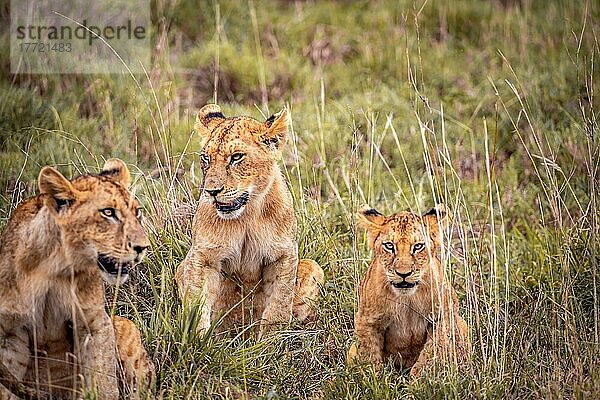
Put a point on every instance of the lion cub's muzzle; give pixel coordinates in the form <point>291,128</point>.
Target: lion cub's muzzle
<point>234,205</point>
<point>404,284</point>
<point>115,271</point>
<point>113,267</point>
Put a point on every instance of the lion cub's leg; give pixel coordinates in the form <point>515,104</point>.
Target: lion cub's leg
<point>14,357</point>
<point>229,307</point>
<point>368,345</point>
<point>198,283</point>
<point>426,359</point>
<point>449,344</point>
<point>97,353</point>
<point>136,368</point>
<point>309,278</point>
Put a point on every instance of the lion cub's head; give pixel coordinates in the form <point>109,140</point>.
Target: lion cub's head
<point>98,218</point>
<point>239,158</point>
<point>404,244</point>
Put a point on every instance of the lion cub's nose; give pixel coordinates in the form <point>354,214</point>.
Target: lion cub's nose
<point>139,249</point>
<point>403,276</point>
<point>214,192</point>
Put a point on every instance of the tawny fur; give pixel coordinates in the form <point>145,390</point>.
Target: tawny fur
<point>244,263</point>
<point>415,326</point>
<point>136,370</point>
<point>55,335</point>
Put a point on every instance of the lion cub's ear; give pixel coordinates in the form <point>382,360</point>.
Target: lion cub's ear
<point>116,170</point>
<point>435,219</point>
<point>53,183</point>
<point>208,117</point>
<point>275,134</point>
<point>371,220</point>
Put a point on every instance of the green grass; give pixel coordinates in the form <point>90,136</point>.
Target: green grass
<point>487,106</point>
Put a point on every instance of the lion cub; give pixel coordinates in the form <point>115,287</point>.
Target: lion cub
<point>407,308</point>
<point>55,336</point>
<point>243,262</point>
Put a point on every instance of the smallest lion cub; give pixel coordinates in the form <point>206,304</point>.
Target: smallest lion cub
<point>407,309</point>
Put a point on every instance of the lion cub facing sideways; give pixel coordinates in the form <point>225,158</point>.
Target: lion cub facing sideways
<point>243,261</point>
<point>55,335</point>
<point>407,308</point>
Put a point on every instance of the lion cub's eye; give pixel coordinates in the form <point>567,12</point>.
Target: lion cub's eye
<point>418,247</point>
<point>109,212</point>
<point>205,159</point>
<point>389,247</point>
<point>236,158</point>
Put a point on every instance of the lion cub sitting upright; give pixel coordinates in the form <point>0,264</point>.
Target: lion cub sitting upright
<point>243,262</point>
<point>55,335</point>
<point>407,308</point>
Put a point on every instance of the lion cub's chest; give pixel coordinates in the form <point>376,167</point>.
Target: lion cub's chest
<point>53,316</point>
<point>406,335</point>
<point>247,256</point>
